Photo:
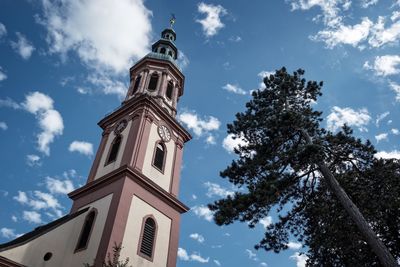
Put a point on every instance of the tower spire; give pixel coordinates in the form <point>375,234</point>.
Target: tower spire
<point>172,21</point>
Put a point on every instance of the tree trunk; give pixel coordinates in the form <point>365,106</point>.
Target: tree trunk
<point>384,255</point>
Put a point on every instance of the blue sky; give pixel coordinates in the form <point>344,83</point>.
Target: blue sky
<point>64,65</point>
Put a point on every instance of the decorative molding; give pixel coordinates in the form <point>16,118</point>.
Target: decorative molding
<point>136,176</point>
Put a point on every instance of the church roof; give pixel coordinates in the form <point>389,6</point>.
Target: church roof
<point>40,230</point>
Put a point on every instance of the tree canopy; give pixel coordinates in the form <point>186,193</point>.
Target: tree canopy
<point>287,163</point>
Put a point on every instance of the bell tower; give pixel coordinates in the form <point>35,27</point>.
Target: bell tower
<point>130,197</point>
<point>134,180</point>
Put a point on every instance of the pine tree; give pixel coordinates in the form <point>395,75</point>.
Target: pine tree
<point>286,155</point>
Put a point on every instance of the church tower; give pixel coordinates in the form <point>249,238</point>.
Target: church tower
<point>130,197</point>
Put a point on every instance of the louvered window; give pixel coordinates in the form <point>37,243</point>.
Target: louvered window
<point>86,230</point>
<point>148,237</point>
<point>114,149</point>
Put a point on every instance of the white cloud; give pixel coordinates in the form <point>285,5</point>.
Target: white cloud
<point>381,35</point>
<point>396,88</point>
<point>3,125</point>
<point>22,46</point>
<point>3,76</point>
<point>300,259</point>
<point>70,174</point>
<point>217,262</point>
<point>111,43</point>
<point>234,88</point>
<point>294,245</point>
<point>395,16</point>
<point>336,32</point>
<point>39,201</point>
<point>216,190</point>
<point>235,39</point>
<point>340,116</point>
<point>395,131</point>
<point>263,264</point>
<point>82,147</point>
<point>32,216</point>
<point>9,103</point>
<point>197,257</point>
<point>22,198</point>
<point>198,237</point>
<point>388,155</point>
<point>330,9</point>
<point>368,3</point>
<point>210,140</point>
<point>184,256</point>
<point>203,212</point>
<point>14,218</point>
<point>229,143</point>
<point>194,196</point>
<point>351,35</point>
<point>264,73</point>
<point>197,125</point>
<point>380,137</point>
<point>36,102</point>
<point>380,117</point>
<point>33,160</point>
<point>183,60</point>
<point>251,255</point>
<point>50,120</point>
<point>384,65</point>
<point>108,85</point>
<point>44,201</point>
<point>266,221</point>
<point>83,90</point>
<point>212,22</point>
<point>56,186</point>
<point>3,30</point>
<point>8,233</point>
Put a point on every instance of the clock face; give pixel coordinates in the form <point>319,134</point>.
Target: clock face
<point>164,133</point>
<point>120,127</point>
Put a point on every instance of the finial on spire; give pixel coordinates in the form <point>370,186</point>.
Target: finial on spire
<point>172,20</point>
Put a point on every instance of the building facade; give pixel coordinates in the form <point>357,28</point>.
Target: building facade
<point>130,197</point>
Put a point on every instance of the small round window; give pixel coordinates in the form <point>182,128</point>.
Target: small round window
<point>47,256</point>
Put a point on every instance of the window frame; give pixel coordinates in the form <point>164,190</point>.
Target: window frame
<point>158,79</point>
<point>151,216</point>
<point>78,249</point>
<point>136,85</point>
<point>108,162</point>
<point>172,90</point>
<point>164,158</point>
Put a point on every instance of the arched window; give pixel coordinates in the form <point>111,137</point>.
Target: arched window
<point>137,82</point>
<point>170,88</point>
<point>148,237</point>
<point>114,149</point>
<point>159,156</point>
<point>87,228</point>
<point>162,50</point>
<point>170,54</point>
<point>153,82</point>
